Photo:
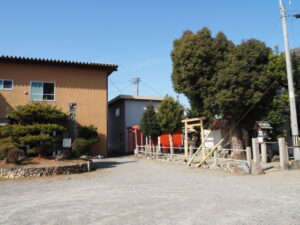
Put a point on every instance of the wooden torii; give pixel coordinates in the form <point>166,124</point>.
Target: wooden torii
<point>191,123</point>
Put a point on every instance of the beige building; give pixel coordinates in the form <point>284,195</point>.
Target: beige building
<point>24,80</point>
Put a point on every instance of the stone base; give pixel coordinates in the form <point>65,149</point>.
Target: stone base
<point>295,164</point>
<point>23,172</point>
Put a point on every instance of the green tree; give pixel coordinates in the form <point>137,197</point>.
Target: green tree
<point>38,125</point>
<point>169,115</point>
<point>225,80</point>
<point>149,123</point>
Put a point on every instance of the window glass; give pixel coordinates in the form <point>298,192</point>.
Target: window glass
<point>7,84</point>
<point>117,112</point>
<point>36,91</point>
<point>48,92</point>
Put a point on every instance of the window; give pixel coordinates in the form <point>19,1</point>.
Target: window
<point>117,112</point>
<point>6,84</point>
<point>42,91</point>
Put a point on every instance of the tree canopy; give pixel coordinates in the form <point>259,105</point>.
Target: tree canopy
<point>169,115</point>
<point>222,79</point>
<point>149,123</point>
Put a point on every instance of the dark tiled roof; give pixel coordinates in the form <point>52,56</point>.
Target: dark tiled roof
<point>27,60</point>
<point>137,98</point>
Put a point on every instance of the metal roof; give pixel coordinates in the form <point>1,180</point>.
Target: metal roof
<point>132,97</point>
<point>264,125</point>
<point>89,65</point>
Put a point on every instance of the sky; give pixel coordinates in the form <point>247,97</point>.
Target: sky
<point>137,35</point>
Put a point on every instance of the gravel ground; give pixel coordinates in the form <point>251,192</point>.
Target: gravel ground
<point>130,191</point>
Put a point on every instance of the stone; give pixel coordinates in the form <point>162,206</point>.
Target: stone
<point>256,169</point>
<point>243,168</point>
<point>213,167</point>
<point>275,158</point>
<point>295,164</point>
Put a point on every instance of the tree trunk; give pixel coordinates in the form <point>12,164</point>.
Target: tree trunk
<point>237,143</point>
<point>171,145</point>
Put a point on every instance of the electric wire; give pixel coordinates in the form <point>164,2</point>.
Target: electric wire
<point>151,88</point>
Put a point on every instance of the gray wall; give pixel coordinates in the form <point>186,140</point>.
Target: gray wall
<point>116,127</point>
<point>131,112</point>
<point>134,110</point>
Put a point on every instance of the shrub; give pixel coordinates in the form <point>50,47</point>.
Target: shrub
<point>34,124</point>
<point>87,132</point>
<point>5,145</point>
<point>15,156</point>
<point>37,113</point>
<point>22,130</point>
<point>41,150</point>
<point>82,146</point>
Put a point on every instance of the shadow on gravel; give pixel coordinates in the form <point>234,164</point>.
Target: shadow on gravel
<point>108,164</point>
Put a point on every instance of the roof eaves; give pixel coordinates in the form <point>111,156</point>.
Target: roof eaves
<point>27,60</point>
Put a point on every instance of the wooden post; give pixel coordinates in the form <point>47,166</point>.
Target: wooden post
<point>216,156</point>
<point>196,153</point>
<point>150,146</point>
<point>191,152</point>
<point>135,138</point>
<point>248,155</point>
<point>142,138</point>
<point>185,141</point>
<point>171,146</point>
<point>146,147</point>
<point>210,153</point>
<point>255,149</point>
<point>202,139</point>
<point>256,166</point>
<point>263,152</point>
<point>283,154</point>
<point>159,149</point>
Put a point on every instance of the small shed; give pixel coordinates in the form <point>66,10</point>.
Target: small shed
<point>263,129</point>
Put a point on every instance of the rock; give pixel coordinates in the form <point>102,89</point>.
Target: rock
<point>63,154</point>
<point>213,167</point>
<point>98,157</point>
<point>243,168</point>
<point>256,169</point>
<point>275,158</point>
<point>295,164</point>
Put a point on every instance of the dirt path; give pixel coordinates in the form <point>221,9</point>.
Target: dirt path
<point>131,191</point>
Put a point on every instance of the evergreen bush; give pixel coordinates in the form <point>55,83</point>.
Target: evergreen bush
<point>36,125</point>
<point>5,145</point>
<point>87,137</point>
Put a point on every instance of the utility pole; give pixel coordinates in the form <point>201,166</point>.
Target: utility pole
<point>137,81</point>
<point>293,111</point>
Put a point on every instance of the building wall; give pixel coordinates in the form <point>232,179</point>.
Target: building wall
<point>116,128</point>
<point>134,110</point>
<point>86,87</point>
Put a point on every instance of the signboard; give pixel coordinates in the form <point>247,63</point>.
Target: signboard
<point>67,142</point>
<point>260,139</point>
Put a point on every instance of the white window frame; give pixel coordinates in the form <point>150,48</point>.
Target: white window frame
<point>54,99</point>
<point>7,89</point>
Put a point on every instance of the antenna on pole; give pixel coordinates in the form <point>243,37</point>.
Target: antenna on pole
<point>137,81</point>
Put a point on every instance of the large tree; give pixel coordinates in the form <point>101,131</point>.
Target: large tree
<point>222,79</point>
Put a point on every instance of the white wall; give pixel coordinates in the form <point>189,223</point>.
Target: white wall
<point>213,138</point>
<point>134,110</point>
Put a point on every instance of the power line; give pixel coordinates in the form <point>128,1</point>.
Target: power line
<point>113,83</point>
<point>152,88</point>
